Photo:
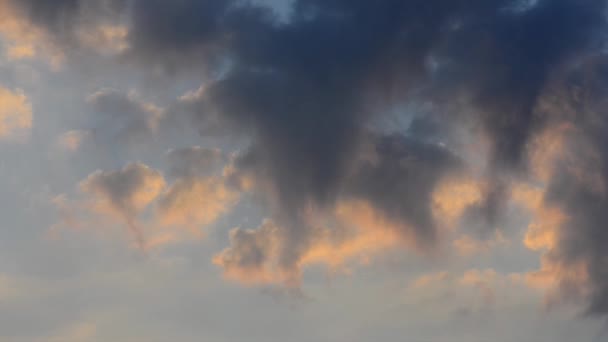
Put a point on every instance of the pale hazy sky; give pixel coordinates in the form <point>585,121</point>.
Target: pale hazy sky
<point>307,170</point>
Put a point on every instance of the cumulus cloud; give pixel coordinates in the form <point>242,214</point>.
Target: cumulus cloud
<point>453,196</point>
<point>201,192</point>
<point>309,112</point>
<point>195,202</point>
<point>353,234</point>
<point>570,159</point>
<point>124,193</point>
<point>123,117</point>
<point>309,92</point>
<point>398,179</point>
<point>369,216</point>
<point>22,39</point>
<point>251,258</point>
<point>148,203</point>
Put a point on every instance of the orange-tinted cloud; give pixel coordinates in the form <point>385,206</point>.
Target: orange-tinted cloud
<point>354,232</point>
<point>453,196</point>
<point>363,233</point>
<point>15,114</point>
<point>124,193</point>
<point>252,257</point>
<point>546,149</point>
<point>562,278</point>
<point>140,198</point>
<point>22,39</point>
<point>542,232</point>
<point>195,202</point>
<point>72,141</point>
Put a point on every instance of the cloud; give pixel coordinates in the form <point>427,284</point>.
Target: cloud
<point>195,161</point>
<point>153,37</point>
<point>73,140</point>
<point>279,67</point>
<point>399,178</point>
<point>201,192</point>
<point>394,178</point>
<point>308,102</point>
<point>148,204</point>
<point>124,193</point>
<point>252,256</point>
<point>570,162</point>
<point>272,54</point>
<point>64,33</point>
<point>453,196</point>
<point>195,202</point>
<point>308,93</point>
<point>353,234</point>
<point>123,117</point>
<point>511,37</point>
<point>22,39</point>
<point>106,39</point>
<point>64,17</point>
<point>15,114</point>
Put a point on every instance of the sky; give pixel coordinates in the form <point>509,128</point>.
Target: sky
<point>303,170</point>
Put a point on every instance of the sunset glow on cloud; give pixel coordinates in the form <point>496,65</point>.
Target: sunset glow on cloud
<point>315,170</point>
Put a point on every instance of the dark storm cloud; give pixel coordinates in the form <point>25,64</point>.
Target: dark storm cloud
<point>485,217</point>
<point>396,175</point>
<point>580,185</point>
<point>512,55</point>
<point>398,180</point>
<point>174,31</point>
<point>60,16</point>
<point>307,89</point>
<point>500,51</point>
<point>51,13</point>
<point>502,62</point>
